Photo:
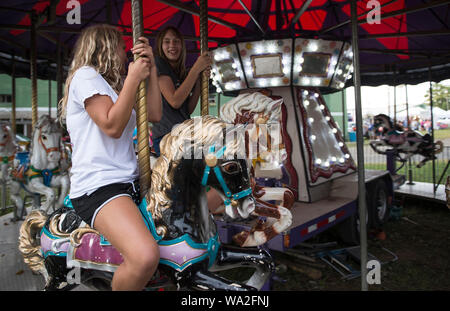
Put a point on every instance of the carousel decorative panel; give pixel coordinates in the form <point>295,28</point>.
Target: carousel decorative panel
<point>325,146</point>
<point>315,61</point>
<point>227,73</point>
<point>267,63</point>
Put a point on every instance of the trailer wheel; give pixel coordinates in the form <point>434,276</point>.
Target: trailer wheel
<point>348,230</point>
<point>380,208</point>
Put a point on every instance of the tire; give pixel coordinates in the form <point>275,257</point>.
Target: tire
<point>380,207</point>
<point>348,230</point>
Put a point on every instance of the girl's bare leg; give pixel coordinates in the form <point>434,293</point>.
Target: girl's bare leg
<point>121,223</point>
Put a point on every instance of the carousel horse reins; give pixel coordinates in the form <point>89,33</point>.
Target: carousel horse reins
<point>211,162</point>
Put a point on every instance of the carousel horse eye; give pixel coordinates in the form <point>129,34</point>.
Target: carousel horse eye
<point>44,137</point>
<point>231,167</point>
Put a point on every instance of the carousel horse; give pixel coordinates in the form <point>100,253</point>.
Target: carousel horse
<point>176,213</point>
<point>44,169</point>
<point>8,149</point>
<point>261,116</point>
<point>405,144</point>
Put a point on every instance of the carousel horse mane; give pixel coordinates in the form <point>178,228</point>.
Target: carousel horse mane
<point>256,103</point>
<point>196,132</point>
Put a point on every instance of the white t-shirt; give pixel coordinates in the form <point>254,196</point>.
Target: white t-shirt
<point>97,159</point>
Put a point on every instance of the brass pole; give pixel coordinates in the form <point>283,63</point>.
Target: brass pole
<point>33,73</point>
<point>141,114</point>
<point>204,48</point>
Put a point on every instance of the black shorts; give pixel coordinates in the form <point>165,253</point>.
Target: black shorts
<point>87,206</point>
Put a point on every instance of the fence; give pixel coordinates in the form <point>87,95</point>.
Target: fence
<point>376,161</point>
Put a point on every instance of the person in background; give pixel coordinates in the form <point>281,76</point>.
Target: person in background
<point>180,88</point>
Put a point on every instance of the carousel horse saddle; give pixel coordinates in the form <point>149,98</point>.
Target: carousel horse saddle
<point>86,248</point>
<point>396,138</point>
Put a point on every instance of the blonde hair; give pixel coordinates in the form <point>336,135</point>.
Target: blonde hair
<point>180,66</point>
<point>96,47</point>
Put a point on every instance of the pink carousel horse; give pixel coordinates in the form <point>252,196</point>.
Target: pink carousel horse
<point>45,169</point>
<point>406,143</point>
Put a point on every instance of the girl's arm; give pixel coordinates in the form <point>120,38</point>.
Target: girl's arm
<point>154,102</point>
<point>110,117</point>
<point>176,97</point>
<point>193,100</point>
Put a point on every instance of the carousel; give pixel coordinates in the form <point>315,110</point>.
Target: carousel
<point>275,152</point>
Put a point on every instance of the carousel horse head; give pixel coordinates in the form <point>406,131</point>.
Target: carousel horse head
<point>8,145</point>
<point>46,141</point>
<point>261,116</point>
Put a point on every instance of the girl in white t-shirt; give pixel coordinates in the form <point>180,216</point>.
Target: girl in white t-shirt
<point>98,107</point>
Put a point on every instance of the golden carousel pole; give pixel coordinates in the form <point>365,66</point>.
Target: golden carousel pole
<point>141,98</point>
<point>204,48</point>
<point>33,72</point>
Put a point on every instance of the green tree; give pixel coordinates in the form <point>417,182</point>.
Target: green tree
<point>441,96</point>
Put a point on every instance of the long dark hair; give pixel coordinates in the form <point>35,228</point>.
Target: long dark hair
<point>180,66</point>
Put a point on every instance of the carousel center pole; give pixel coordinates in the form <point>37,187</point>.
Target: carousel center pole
<point>141,114</point>
<point>204,48</point>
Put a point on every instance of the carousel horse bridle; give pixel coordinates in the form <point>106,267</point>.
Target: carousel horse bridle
<point>47,150</point>
<point>211,162</point>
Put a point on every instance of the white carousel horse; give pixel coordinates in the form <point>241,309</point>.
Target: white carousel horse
<point>8,149</point>
<point>405,144</point>
<point>175,212</point>
<point>264,145</point>
<point>44,170</point>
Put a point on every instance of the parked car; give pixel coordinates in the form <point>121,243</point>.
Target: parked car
<point>443,123</point>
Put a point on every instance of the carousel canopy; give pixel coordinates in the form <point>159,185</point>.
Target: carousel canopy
<point>399,40</point>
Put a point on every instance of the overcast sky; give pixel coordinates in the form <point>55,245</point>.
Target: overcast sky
<point>375,100</point>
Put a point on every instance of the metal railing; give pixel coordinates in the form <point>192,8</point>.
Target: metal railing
<point>376,161</point>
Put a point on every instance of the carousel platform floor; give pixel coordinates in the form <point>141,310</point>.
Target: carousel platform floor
<point>422,190</point>
<point>14,273</point>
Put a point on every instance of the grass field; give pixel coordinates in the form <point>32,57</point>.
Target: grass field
<point>423,174</point>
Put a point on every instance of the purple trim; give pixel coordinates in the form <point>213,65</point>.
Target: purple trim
<point>90,250</point>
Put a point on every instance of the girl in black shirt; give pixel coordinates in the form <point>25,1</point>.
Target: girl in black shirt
<point>180,89</point>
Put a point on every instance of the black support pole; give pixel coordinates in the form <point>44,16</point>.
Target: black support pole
<point>359,149</point>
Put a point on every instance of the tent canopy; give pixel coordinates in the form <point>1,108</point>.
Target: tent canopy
<point>410,36</point>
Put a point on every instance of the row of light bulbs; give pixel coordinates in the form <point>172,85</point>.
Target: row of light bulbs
<point>271,47</point>
<point>331,160</point>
